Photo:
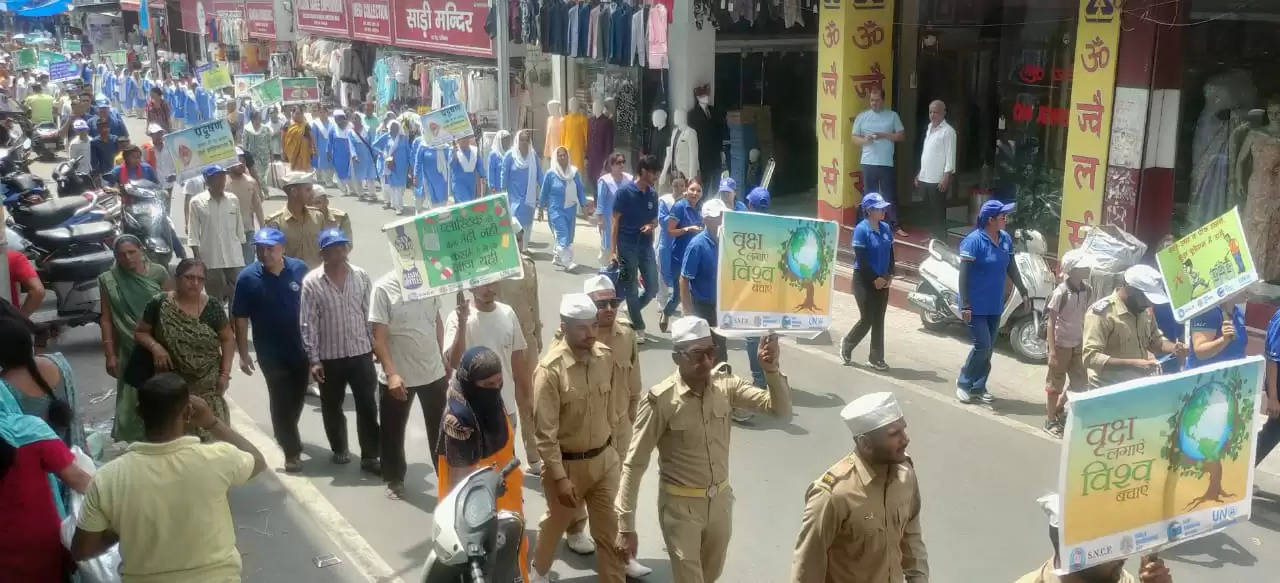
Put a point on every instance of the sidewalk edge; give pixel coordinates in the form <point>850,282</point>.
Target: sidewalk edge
<point>364,558</point>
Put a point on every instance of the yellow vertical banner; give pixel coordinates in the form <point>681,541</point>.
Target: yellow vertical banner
<point>1093,88</point>
<point>855,54</point>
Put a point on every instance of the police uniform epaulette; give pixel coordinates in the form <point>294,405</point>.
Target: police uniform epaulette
<point>1101,305</point>
<point>839,472</point>
<point>662,388</point>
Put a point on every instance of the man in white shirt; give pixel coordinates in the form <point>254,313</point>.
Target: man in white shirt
<point>78,147</point>
<point>216,234</point>
<point>937,167</point>
<point>407,335</point>
<point>241,184</point>
<point>494,325</point>
<point>163,165</point>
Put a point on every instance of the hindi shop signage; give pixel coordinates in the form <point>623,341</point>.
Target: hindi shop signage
<point>323,17</point>
<point>1158,461</point>
<point>446,26</point>
<point>261,19</point>
<point>456,247</point>
<point>371,21</point>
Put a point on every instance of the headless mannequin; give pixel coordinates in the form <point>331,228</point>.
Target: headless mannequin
<point>600,131</point>
<point>1257,169</point>
<point>705,120</point>
<point>682,154</point>
<point>573,135</point>
<point>555,124</point>
<point>658,136</point>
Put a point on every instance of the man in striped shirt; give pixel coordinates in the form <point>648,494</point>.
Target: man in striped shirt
<point>335,333</point>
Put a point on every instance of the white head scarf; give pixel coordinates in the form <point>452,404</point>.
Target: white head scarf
<point>496,146</point>
<point>527,162</point>
<point>467,157</point>
<point>567,174</point>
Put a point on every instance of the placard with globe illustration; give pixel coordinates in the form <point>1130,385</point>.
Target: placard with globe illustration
<point>1153,462</point>
<point>455,247</point>
<point>775,273</point>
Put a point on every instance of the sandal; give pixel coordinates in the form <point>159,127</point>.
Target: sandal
<point>293,465</point>
<point>343,457</point>
<point>395,490</point>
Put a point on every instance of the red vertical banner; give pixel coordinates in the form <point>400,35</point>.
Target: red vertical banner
<point>323,17</point>
<point>453,26</point>
<point>260,19</point>
<point>371,21</point>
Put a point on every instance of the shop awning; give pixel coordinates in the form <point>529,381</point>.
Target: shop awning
<point>105,8</point>
<point>37,8</point>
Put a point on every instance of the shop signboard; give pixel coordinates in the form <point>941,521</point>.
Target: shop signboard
<point>456,247</point>
<point>260,19</point>
<point>46,58</point>
<point>1207,267</point>
<point>244,82</point>
<point>446,26</point>
<point>25,59</point>
<point>323,17</point>
<point>775,273</point>
<point>1157,461</point>
<point>198,146</point>
<point>70,47</point>
<point>445,125</point>
<point>855,55</point>
<point>214,77</point>
<point>267,93</point>
<point>1093,88</point>
<point>371,21</point>
<point>177,67</point>
<point>63,71</point>
<point>118,58</point>
<point>295,90</point>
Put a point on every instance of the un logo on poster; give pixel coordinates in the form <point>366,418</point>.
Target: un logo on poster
<point>1100,10</point>
<point>868,4</point>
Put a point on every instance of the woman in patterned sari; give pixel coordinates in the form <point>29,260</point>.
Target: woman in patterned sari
<point>188,333</point>
<point>126,287</point>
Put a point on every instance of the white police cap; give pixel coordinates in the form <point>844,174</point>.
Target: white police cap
<point>597,283</point>
<point>688,329</point>
<point>871,412</point>
<point>577,307</point>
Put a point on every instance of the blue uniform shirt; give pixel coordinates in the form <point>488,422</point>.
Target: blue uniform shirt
<point>635,208</point>
<point>1212,321</point>
<point>1272,347</point>
<point>877,152</point>
<point>686,215</point>
<point>272,303</point>
<point>988,267</point>
<point>700,267</point>
<point>878,245</point>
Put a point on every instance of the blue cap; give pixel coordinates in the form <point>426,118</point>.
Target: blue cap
<point>873,200</point>
<point>213,170</point>
<point>991,209</point>
<point>101,101</point>
<point>268,236</point>
<point>758,199</point>
<point>329,237</point>
<point>728,185</point>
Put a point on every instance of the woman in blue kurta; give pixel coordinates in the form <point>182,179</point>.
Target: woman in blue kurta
<point>320,131</point>
<point>682,224</point>
<point>430,171</point>
<point>666,202</point>
<point>464,170</point>
<point>493,167</point>
<point>341,151</point>
<point>109,85</point>
<point>606,194</point>
<point>561,194</point>
<point>394,148</point>
<point>191,113</point>
<point>522,176</point>
<point>986,259</point>
<point>366,171</point>
<point>206,102</point>
<point>131,90</point>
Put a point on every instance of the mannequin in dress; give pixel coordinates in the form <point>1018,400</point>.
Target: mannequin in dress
<point>682,154</point>
<point>658,136</point>
<point>1258,169</point>
<point>574,135</point>
<point>708,123</point>
<point>1225,95</point>
<point>1256,118</point>
<point>555,128</point>
<point>599,141</point>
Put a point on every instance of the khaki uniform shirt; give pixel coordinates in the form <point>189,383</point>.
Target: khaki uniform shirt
<point>572,404</point>
<point>861,523</point>
<point>301,234</point>
<point>1045,575</point>
<point>691,432</point>
<point>626,379</point>
<point>522,296</point>
<point>1111,331</point>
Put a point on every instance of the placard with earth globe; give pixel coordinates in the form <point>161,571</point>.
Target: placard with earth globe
<point>1156,461</point>
<point>775,273</point>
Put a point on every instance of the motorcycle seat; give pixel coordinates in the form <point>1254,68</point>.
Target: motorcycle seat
<point>81,233</point>
<point>79,267</point>
<point>49,214</point>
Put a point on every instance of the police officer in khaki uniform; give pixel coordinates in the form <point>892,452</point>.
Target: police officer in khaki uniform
<point>861,519</point>
<point>686,417</point>
<point>522,295</point>
<point>300,223</point>
<point>575,424</point>
<point>1120,333</point>
<point>333,218</point>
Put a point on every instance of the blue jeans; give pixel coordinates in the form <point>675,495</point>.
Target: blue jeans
<point>882,179</point>
<point>635,258</point>
<point>753,357</point>
<point>982,331</point>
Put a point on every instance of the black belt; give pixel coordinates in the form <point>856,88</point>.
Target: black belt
<point>586,455</point>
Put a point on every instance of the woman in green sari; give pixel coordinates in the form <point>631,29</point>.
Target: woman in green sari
<point>187,333</point>
<point>126,289</point>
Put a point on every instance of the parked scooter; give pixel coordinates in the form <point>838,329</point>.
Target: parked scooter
<point>144,217</point>
<point>937,298</point>
<point>68,253</point>
<point>71,183</point>
<point>46,140</point>
<point>474,542</point>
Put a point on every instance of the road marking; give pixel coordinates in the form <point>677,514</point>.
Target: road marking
<point>366,560</point>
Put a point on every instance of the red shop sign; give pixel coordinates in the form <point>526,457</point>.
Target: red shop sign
<point>260,18</point>
<point>371,21</point>
<point>323,17</point>
<point>227,9</point>
<point>445,26</point>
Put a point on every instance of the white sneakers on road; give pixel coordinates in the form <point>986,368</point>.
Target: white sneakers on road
<point>580,542</point>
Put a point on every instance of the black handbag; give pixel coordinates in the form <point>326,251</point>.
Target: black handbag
<point>140,368</point>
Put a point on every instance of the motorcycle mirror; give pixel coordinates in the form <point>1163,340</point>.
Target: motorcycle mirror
<point>55,176</point>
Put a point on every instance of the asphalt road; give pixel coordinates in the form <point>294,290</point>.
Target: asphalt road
<point>979,473</point>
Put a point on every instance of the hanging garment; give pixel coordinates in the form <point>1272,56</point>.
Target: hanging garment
<point>573,24</point>
<point>599,145</point>
<point>584,29</point>
<point>341,150</point>
<point>430,169</point>
<point>620,35</point>
<point>639,48</point>
<point>521,174</point>
<point>463,166</point>
<point>656,141</point>
<point>683,155</point>
<point>574,138</point>
<point>657,36</point>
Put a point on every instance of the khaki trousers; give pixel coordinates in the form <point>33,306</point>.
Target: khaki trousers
<point>596,483</point>
<point>696,531</point>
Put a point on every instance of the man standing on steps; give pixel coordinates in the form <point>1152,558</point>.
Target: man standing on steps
<point>937,167</point>
<point>875,131</point>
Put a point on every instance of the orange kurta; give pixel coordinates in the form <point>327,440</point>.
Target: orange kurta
<point>511,501</point>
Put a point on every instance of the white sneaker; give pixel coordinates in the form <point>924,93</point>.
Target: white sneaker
<point>534,577</point>
<point>963,396</point>
<point>635,570</point>
<point>534,469</point>
<point>313,390</point>
<point>571,266</point>
<point>640,339</point>
<point>580,543</point>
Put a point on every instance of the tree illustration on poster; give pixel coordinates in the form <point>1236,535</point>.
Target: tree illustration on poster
<point>805,261</point>
<point>1212,425</point>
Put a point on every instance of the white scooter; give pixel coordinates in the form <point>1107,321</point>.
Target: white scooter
<point>936,296</point>
<point>474,542</point>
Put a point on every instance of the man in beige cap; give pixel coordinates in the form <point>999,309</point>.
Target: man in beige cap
<point>686,418</point>
<point>300,223</point>
<point>1120,333</point>
<point>522,295</point>
<point>575,424</point>
<point>861,519</point>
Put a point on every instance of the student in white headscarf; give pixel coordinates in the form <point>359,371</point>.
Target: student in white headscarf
<point>493,167</point>
<point>521,176</point>
<point>562,195</point>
